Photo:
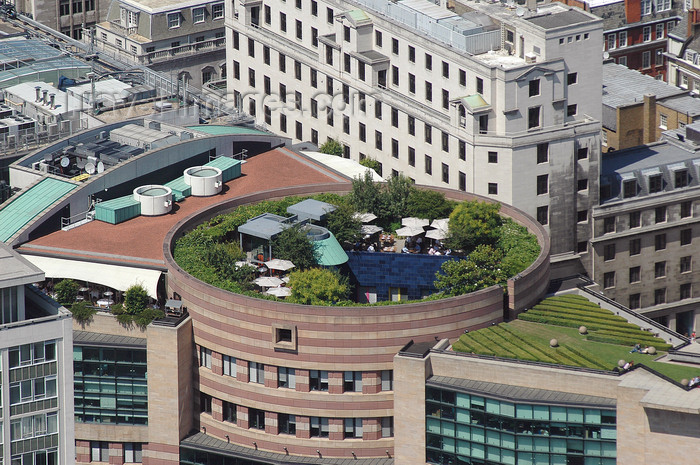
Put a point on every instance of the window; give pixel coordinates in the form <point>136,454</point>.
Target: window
<point>623,39</point>
<point>681,180</point>
<point>479,86</point>
<point>533,117</point>
<point>609,252</point>
<point>251,48</point>
<point>428,91</point>
<point>230,412</point>
<point>198,15</point>
<point>609,280</point>
<point>299,30</point>
<point>378,109</point>
<point>686,264</point>
<point>571,78</point>
<point>659,269</point>
<point>445,99</point>
<point>629,188</point>
<point>286,378</point>
<point>622,61</point>
<point>352,381</point>
<point>635,219</point>
<point>493,188</point>
<point>462,181</point>
<point>205,403</point>
<point>493,157</point>
<point>659,60</point>
<point>411,54</point>
<point>445,141</point>
<point>609,225</point>
<point>646,59</point>
<point>611,41</point>
<point>534,87</point>
<point>314,37</point>
<point>64,7</point>
<point>428,62</point>
<point>99,451</point>
<point>646,33</point>
<point>329,15</point>
<point>543,215</point>
<point>634,301</point>
<point>217,11</point>
<point>483,124</point>
<point>635,274</point>
<point>655,183</point>
<point>663,5</point>
<point>362,132</point>
<point>119,43</point>
<point>428,164</point>
<point>411,83</point>
<point>685,291</point>
<point>362,101</point>
<point>394,148</point>
<point>395,46</point>
<point>346,33</point>
<point>329,117</point>
<point>582,153</point>
<point>378,38</point>
<point>266,85</point>
<point>205,357</point>
<point>660,296</point>
<point>635,246</point>
<point>173,20</point>
<point>287,423</point>
<point>543,152</point>
<point>445,173</point>
<point>582,216</point>
<point>133,452</point>
<point>230,368</point>
<point>353,428</point>
<point>314,136</point>
<point>571,110</point>
<point>428,130</point>
<point>387,380</point>
<point>256,371</point>
<point>314,8</point>
<point>256,418</point>
<point>660,214</point>
<point>686,236</point>
<point>582,185</point>
<point>314,108</point>
<point>660,242</point>
<point>378,140</point>
<point>318,427</point>
<point>542,184</point>
<point>686,209</point>
<point>346,94</point>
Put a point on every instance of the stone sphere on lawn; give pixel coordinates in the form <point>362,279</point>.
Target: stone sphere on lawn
<point>621,363</point>
<point>582,330</point>
<point>553,343</point>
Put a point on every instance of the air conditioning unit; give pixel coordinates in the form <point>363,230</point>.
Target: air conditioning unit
<point>530,58</point>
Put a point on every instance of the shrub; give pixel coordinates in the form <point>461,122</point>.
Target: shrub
<point>371,163</point>
<point>331,147</point>
<point>293,244</point>
<point>66,291</point>
<point>474,223</point>
<point>429,204</point>
<point>317,286</point>
<point>82,313</point>
<point>136,299</point>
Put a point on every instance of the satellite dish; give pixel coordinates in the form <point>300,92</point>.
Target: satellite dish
<point>606,55</point>
<point>90,168</point>
<point>65,161</point>
<point>100,167</point>
<point>520,11</point>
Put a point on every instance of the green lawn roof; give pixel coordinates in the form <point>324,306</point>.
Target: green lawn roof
<point>609,338</point>
<point>27,205</point>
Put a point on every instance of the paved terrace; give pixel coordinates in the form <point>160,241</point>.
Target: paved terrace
<point>139,241</point>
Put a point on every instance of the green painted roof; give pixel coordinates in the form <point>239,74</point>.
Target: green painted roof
<point>223,163</point>
<point>29,204</point>
<point>180,188</point>
<point>475,101</point>
<point>218,130</point>
<point>330,252</point>
<point>119,202</point>
<point>358,15</point>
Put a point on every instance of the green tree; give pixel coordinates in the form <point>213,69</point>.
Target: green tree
<point>366,195</point>
<point>66,291</point>
<point>222,257</point>
<point>395,197</point>
<point>343,225</point>
<point>373,164</point>
<point>136,299</point>
<point>293,244</point>
<point>317,286</point>
<point>429,204</point>
<point>474,223</point>
<point>82,313</point>
<point>331,147</point>
<point>481,269</point>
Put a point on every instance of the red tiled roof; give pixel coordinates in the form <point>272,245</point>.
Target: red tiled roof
<point>141,239</point>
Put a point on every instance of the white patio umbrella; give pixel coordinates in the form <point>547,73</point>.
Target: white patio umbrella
<point>407,231</point>
<point>365,217</point>
<point>279,291</point>
<point>278,264</point>
<point>369,229</point>
<point>414,222</point>
<point>268,281</point>
<point>441,229</point>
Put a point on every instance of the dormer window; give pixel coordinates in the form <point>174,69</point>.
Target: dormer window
<point>173,20</point>
<point>681,178</point>
<point>129,18</point>
<point>629,188</point>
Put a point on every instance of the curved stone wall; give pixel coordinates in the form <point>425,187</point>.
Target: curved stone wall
<point>333,339</point>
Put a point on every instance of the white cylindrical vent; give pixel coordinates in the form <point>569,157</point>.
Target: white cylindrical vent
<point>155,199</point>
<point>204,180</point>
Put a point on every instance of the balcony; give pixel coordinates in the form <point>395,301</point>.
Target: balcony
<point>182,50</point>
<point>117,27</point>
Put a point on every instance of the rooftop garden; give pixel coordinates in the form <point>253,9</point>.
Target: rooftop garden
<point>605,340</point>
<point>487,247</point>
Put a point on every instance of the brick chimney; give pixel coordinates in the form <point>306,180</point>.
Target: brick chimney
<point>693,21</point>
<point>633,11</point>
<point>649,119</point>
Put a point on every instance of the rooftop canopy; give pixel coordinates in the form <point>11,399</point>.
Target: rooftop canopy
<point>265,226</point>
<point>311,209</point>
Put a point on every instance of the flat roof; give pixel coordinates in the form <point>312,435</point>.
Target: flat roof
<point>643,157</point>
<point>623,86</point>
<point>554,19</point>
<point>16,270</point>
<point>27,205</point>
<point>140,240</point>
<point>513,393</point>
<point>220,130</point>
<point>89,338</point>
<point>63,102</point>
<point>265,226</point>
<point>311,209</point>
